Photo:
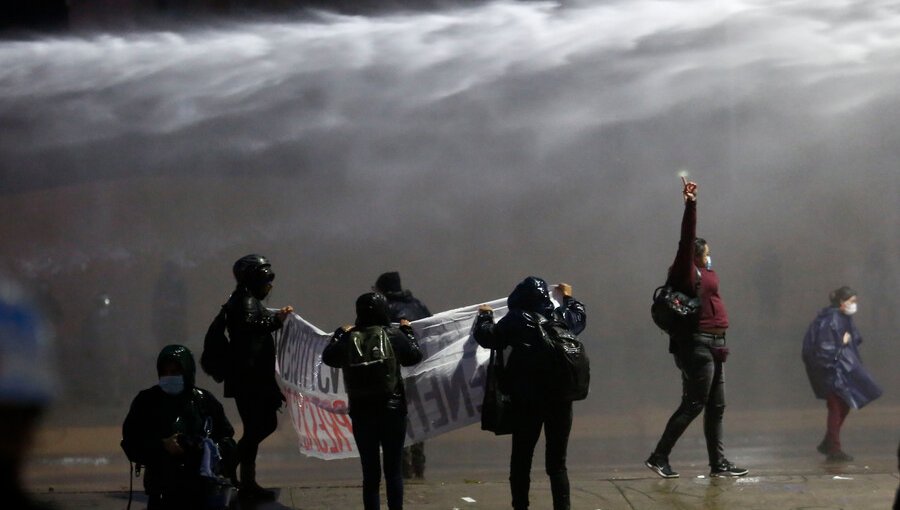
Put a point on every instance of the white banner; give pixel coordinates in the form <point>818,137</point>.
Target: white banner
<point>443,392</point>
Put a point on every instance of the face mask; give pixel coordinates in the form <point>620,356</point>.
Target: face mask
<point>850,309</point>
<point>708,262</point>
<point>172,384</point>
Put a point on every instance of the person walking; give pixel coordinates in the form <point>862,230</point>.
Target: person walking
<point>370,354</point>
<point>403,305</point>
<point>699,349</point>
<point>834,367</point>
<point>534,406</point>
<point>250,380</point>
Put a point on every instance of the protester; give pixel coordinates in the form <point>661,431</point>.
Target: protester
<point>27,384</point>
<point>251,376</point>
<point>533,405</point>
<point>180,434</point>
<point>699,349</point>
<point>403,305</point>
<point>835,369</point>
<point>370,354</point>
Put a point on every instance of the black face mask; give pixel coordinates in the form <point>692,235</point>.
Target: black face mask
<point>260,283</point>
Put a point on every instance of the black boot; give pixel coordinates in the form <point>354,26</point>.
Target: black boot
<point>249,489</point>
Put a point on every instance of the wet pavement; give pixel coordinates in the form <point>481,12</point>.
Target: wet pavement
<point>81,467</point>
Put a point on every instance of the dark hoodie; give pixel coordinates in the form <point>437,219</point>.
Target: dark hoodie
<point>372,311</point>
<point>156,415</point>
<point>401,303</point>
<point>519,329</point>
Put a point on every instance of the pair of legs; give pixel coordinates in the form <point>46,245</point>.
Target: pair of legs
<point>260,419</point>
<point>702,391</point>
<point>383,430</point>
<point>556,420</point>
<point>414,461</point>
<point>837,413</point>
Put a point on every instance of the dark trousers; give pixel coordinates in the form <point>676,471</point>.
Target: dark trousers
<point>384,429</point>
<point>556,420</point>
<point>414,460</point>
<point>837,413</point>
<point>260,419</point>
<point>702,390</point>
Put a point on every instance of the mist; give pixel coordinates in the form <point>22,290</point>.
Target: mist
<point>465,148</point>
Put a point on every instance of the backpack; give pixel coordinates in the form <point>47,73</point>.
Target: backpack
<point>671,310</point>
<point>569,368</point>
<point>372,368</point>
<point>215,359</point>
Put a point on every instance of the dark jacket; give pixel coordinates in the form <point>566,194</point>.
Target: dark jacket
<point>406,350</point>
<point>252,348</point>
<point>832,366</point>
<point>519,329</point>
<point>403,305</point>
<point>154,416</point>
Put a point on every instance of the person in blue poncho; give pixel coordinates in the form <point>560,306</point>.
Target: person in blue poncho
<point>835,369</point>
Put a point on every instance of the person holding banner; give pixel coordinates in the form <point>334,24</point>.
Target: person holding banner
<point>251,378</point>
<point>403,305</point>
<point>370,354</point>
<point>534,407</point>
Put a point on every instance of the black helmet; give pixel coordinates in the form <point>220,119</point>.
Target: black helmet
<point>255,273</point>
<point>247,266</point>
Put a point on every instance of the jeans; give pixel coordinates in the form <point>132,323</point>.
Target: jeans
<point>556,419</point>
<point>384,429</point>
<point>702,390</point>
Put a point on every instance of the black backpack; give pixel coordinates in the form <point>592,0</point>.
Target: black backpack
<point>569,376</point>
<point>216,359</point>
<point>372,368</point>
<point>673,311</point>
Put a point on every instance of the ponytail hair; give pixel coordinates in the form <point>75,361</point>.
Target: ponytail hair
<point>840,295</point>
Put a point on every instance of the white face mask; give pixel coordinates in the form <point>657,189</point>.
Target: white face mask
<point>849,309</point>
<point>172,384</point>
<point>708,262</point>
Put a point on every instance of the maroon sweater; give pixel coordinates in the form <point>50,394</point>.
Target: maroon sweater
<point>683,275</point>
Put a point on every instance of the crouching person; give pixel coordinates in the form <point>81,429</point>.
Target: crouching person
<point>370,354</point>
<point>180,434</point>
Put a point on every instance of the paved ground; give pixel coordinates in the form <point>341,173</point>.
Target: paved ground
<point>847,491</point>
<point>81,467</point>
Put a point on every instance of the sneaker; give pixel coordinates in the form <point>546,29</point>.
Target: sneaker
<point>839,456</point>
<point>726,469</point>
<point>823,447</point>
<point>660,466</point>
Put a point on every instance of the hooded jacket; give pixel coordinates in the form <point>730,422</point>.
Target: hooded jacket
<point>835,367</point>
<point>403,305</point>
<point>372,311</point>
<point>155,415</point>
<point>519,329</point>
